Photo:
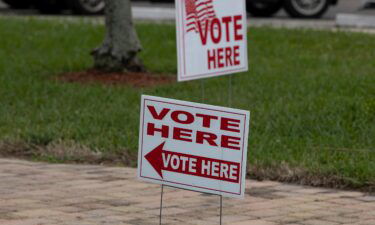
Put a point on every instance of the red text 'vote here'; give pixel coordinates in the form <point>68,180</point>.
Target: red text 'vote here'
<point>228,135</point>
<point>201,166</point>
<point>227,31</point>
<point>164,160</point>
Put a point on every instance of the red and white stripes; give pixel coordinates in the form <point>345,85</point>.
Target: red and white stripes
<point>198,11</point>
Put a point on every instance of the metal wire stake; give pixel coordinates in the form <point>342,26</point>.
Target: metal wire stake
<point>161,202</point>
<point>202,90</point>
<point>221,209</point>
<point>230,81</point>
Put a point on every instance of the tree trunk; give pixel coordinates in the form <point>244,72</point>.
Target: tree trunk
<point>118,52</point>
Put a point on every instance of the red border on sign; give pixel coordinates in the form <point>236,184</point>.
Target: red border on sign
<point>243,146</point>
<point>203,75</point>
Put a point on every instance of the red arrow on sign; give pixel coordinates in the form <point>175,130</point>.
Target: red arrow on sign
<point>161,159</point>
<point>155,159</point>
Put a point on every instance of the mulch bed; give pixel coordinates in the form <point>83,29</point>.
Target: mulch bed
<point>137,80</point>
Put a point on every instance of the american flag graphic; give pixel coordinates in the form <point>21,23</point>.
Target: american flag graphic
<point>198,11</point>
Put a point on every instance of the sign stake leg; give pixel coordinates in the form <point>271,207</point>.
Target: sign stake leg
<point>161,202</point>
<point>202,90</point>
<point>230,84</point>
<point>221,209</point>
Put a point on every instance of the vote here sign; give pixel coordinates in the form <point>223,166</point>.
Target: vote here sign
<point>211,38</point>
<point>193,146</point>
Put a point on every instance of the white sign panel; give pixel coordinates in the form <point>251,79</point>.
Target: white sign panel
<point>211,38</point>
<point>193,146</point>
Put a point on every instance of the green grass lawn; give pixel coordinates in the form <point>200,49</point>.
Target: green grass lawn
<point>311,95</point>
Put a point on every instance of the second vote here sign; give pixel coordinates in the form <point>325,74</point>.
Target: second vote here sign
<point>193,146</point>
<point>211,38</point>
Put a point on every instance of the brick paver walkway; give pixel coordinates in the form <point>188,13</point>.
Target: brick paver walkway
<point>39,193</point>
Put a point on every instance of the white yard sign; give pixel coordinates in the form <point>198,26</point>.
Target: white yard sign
<point>193,146</point>
<point>211,38</point>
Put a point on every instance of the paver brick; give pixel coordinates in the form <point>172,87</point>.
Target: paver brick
<point>255,222</point>
<point>319,222</point>
<point>368,222</point>
<point>342,219</point>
